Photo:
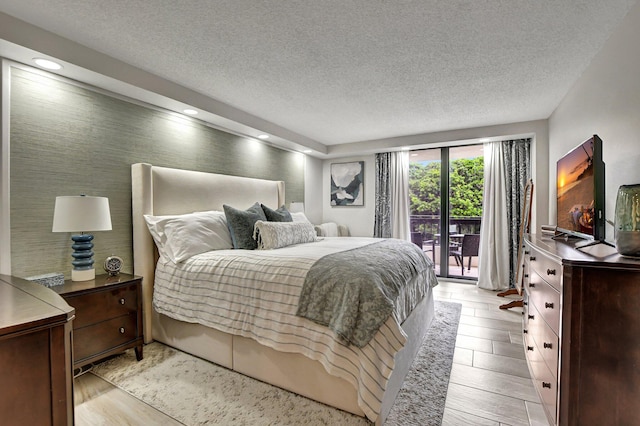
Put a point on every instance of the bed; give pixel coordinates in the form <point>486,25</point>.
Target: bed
<point>162,191</point>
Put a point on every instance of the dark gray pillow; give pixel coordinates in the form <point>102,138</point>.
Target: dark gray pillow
<point>280,215</point>
<point>241,223</point>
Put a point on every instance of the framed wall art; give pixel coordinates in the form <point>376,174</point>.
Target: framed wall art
<point>347,184</point>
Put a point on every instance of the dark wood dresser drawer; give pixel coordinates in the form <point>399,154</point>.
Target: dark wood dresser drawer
<point>546,299</point>
<point>543,379</point>
<point>545,339</point>
<point>547,268</point>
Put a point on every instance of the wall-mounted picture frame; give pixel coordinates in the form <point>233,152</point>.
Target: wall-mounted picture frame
<point>347,184</point>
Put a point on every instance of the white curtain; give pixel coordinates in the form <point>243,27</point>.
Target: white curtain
<point>399,177</point>
<point>493,263</point>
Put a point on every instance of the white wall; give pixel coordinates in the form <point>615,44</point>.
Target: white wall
<point>604,101</point>
<point>313,189</point>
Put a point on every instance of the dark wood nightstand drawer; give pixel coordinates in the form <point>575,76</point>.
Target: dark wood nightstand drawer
<point>102,305</point>
<point>98,338</point>
<point>108,316</point>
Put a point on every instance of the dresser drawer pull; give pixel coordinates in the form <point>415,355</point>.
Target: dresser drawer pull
<point>532,258</point>
<point>531,316</point>
<point>526,275</point>
<point>525,303</point>
<point>548,305</point>
<point>530,348</point>
<point>123,301</point>
<point>525,331</point>
<point>527,252</point>
<point>546,385</point>
<point>551,271</point>
<point>121,330</point>
<point>547,345</point>
<point>532,285</point>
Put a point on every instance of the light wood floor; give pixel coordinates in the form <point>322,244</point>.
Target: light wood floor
<point>489,383</point>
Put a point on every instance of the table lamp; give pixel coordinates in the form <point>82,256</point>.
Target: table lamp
<point>81,214</point>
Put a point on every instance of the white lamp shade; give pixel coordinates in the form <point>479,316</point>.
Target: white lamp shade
<point>296,207</point>
<point>81,214</point>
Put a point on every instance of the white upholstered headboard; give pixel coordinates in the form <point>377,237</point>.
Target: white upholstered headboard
<point>162,191</point>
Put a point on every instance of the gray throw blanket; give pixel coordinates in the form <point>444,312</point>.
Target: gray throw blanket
<point>353,292</point>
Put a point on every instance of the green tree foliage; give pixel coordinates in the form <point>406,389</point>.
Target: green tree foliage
<point>467,178</point>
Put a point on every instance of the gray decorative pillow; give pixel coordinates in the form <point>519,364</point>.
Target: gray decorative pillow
<point>280,215</point>
<point>241,223</point>
<point>273,235</point>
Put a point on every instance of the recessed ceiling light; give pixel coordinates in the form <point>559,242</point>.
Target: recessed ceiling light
<point>46,63</point>
<point>190,111</point>
<point>307,151</point>
<point>263,136</point>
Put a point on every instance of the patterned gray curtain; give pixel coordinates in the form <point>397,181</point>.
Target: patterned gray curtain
<point>517,162</point>
<point>382,224</point>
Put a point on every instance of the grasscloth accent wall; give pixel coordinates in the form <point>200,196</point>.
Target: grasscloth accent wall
<point>67,140</point>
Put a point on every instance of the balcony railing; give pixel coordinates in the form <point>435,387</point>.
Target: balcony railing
<point>429,225</point>
<point>425,232</point>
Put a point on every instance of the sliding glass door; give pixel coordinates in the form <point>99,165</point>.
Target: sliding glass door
<point>446,207</point>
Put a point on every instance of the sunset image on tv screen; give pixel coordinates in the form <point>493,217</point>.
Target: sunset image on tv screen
<point>575,190</point>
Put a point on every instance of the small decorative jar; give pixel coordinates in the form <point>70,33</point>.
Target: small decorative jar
<point>627,220</point>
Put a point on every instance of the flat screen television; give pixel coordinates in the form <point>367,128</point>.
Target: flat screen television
<point>580,192</point>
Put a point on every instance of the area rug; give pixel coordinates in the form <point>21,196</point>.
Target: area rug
<point>197,392</point>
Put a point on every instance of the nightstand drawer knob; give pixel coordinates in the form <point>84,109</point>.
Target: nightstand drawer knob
<point>547,345</point>
<point>546,385</point>
<point>548,305</point>
<point>121,330</point>
<point>530,348</point>
<point>551,271</point>
<point>122,301</point>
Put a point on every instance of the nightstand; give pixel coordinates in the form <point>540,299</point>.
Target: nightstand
<point>108,316</point>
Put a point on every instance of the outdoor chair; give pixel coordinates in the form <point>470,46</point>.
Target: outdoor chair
<point>468,248</point>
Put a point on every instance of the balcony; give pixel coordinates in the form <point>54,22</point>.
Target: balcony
<point>425,232</point>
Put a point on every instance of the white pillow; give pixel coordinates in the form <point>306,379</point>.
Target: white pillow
<point>178,237</point>
<point>299,217</point>
<point>156,225</point>
<point>197,233</point>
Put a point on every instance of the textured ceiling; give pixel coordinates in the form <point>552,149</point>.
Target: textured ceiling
<point>351,70</point>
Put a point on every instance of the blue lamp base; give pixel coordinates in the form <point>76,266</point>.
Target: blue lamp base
<point>82,258</point>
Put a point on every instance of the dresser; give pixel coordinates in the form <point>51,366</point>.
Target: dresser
<point>108,316</point>
<point>36,376</point>
<point>581,332</point>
